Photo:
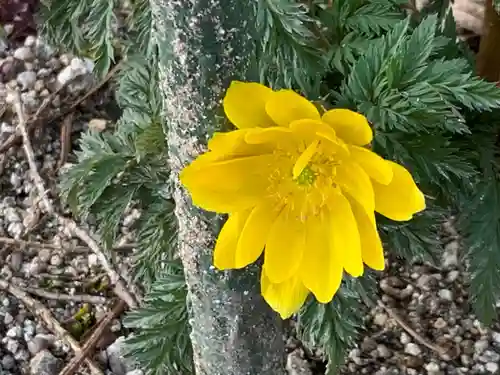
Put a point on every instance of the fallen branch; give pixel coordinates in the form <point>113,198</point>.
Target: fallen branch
<point>439,350</point>
<point>43,313</point>
<point>119,286</point>
<point>95,300</point>
<point>75,249</point>
<point>93,340</point>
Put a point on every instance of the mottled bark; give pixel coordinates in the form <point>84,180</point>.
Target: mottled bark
<point>204,44</point>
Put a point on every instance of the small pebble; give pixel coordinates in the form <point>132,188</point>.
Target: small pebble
<point>24,53</point>
<point>491,367</point>
<point>26,80</point>
<point>413,349</point>
<point>446,294</point>
<point>8,362</point>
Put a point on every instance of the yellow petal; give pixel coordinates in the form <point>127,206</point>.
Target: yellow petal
<point>401,199</point>
<point>285,106</point>
<point>345,235</point>
<point>304,159</point>
<point>354,180</point>
<point>286,298</point>
<point>371,245</point>
<point>229,185</point>
<point>225,247</point>
<point>284,247</point>
<point>275,137</point>
<point>245,103</point>
<point>254,234</point>
<point>321,269</point>
<point>351,126</point>
<point>375,166</point>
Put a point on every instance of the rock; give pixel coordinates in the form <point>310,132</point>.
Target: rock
<point>404,338</point>
<point>16,261</point>
<point>8,362</point>
<point>440,323</point>
<point>491,367</point>
<point>77,67</point>
<point>116,362</point>
<point>26,80</point>
<point>37,344</point>
<point>412,349</point>
<point>30,41</point>
<point>56,260</point>
<point>432,368</point>
<point>97,124</point>
<point>24,54</point>
<point>445,294</point>
<point>450,257</point>
<point>8,319</point>
<point>14,332</point>
<point>452,276</point>
<point>480,346</point>
<point>296,365</point>
<point>355,356</point>
<point>380,319</point>
<point>44,50</point>
<point>44,363</point>
<point>368,344</point>
<point>44,255</point>
<point>489,356</point>
<point>12,345</point>
<point>135,372</point>
<point>383,351</point>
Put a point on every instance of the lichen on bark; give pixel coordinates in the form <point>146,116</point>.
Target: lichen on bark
<point>203,45</point>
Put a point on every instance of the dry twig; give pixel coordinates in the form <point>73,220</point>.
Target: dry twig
<point>66,127</point>
<point>95,300</point>
<point>441,351</point>
<point>93,340</point>
<point>75,249</point>
<point>119,286</point>
<point>43,313</point>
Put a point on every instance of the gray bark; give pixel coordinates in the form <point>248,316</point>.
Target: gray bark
<point>204,44</point>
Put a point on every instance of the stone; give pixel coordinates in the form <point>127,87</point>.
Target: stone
<point>355,356</point>
<point>480,346</point>
<point>489,356</point>
<point>14,332</point>
<point>16,261</point>
<point>296,365</point>
<point>44,255</point>
<point>450,257</point>
<point>44,363</point>
<point>380,319</point>
<point>8,319</point>
<point>98,125</point>
<point>135,372</point>
<point>404,338</point>
<point>24,54</point>
<point>12,345</point>
<point>30,41</point>
<point>496,337</point>
<point>56,260</point>
<point>8,362</point>
<point>445,294</point>
<point>413,349</point>
<point>26,80</point>
<point>383,351</point>
<point>452,276</point>
<point>37,344</point>
<point>440,323</point>
<point>491,367</point>
<point>368,344</point>
<point>77,67</point>
<point>432,368</point>
<point>116,362</point>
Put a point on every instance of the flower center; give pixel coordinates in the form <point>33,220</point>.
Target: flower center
<point>306,177</point>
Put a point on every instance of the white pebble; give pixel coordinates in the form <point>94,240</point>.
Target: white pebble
<point>432,367</point>
<point>30,41</point>
<point>412,349</point>
<point>27,80</point>
<point>24,53</point>
<point>404,338</point>
<point>14,332</point>
<point>496,337</point>
<point>446,294</point>
<point>491,367</point>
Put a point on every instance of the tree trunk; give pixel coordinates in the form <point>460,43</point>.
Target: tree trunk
<point>203,45</point>
<point>488,58</point>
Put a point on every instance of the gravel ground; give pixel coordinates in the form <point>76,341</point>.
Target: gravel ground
<point>428,300</point>
<point>36,254</point>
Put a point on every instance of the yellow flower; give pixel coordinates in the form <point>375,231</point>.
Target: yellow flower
<point>300,187</point>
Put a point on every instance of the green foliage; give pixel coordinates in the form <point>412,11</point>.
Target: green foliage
<point>161,341</point>
<point>84,27</point>
<point>334,327</point>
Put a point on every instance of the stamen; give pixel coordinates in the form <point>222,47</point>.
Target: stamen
<point>304,159</point>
